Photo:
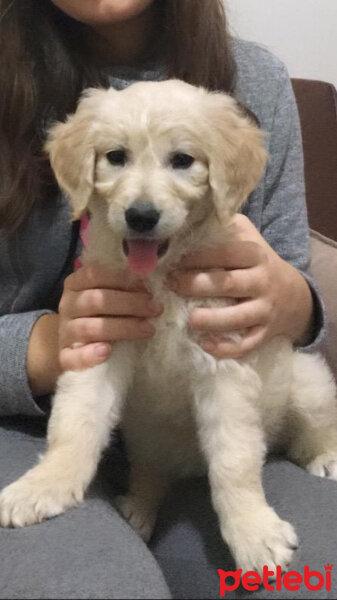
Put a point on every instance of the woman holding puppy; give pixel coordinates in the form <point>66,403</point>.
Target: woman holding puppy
<point>50,51</point>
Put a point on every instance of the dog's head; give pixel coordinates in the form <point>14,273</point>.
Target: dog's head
<point>158,158</point>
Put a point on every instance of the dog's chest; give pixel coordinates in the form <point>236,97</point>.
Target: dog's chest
<point>171,362</point>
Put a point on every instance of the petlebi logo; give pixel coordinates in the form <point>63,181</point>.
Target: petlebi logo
<point>291,580</point>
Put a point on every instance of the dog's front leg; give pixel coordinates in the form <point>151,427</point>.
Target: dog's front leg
<point>147,488</point>
<point>232,441</point>
<point>86,406</point>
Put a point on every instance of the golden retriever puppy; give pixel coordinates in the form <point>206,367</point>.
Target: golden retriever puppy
<point>162,168</point>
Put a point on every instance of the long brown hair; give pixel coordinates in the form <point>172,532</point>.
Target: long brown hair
<point>44,66</point>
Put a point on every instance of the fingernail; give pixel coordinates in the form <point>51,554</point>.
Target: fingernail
<point>208,346</point>
<point>102,350</point>
<point>155,307</point>
<point>146,328</point>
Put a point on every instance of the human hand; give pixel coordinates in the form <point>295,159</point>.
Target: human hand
<point>97,308</point>
<point>272,296</point>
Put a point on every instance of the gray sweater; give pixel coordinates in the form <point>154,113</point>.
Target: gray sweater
<point>35,261</point>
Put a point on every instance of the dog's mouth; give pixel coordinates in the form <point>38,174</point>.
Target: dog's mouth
<point>143,254</point>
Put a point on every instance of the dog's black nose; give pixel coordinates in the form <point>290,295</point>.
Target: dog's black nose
<point>142,216</point>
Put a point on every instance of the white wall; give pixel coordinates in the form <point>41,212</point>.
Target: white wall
<point>303,33</point>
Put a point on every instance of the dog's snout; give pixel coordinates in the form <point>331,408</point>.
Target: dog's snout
<point>142,216</point>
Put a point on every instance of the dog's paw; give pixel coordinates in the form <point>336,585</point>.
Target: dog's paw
<point>35,497</point>
<point>260,539</point>
<point>324,465</point>
<point>140,515</point>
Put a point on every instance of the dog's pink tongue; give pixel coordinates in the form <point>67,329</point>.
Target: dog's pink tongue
<point>142,256</point>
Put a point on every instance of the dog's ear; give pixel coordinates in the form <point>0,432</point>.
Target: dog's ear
<point>237,154</point>
<point>72,153</point>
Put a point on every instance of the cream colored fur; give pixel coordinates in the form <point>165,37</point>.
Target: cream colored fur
<point>183,412</point>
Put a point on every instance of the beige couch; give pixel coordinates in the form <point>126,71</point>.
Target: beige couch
<point>317,103</point>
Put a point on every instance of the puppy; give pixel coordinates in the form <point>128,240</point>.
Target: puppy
<point>162,168</point>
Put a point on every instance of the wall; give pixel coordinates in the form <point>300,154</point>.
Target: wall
<point>303,33</point>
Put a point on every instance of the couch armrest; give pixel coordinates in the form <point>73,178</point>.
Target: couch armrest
<point>317,105</point>
<point>324,270</point>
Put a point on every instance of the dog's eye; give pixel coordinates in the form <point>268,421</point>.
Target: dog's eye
<point>181,160</point>
<point>117,157</point>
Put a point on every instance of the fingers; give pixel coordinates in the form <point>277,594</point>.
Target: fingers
<point>236,349</point>
<point>98,307</point>
<point>230,255</point>
<point>95,302</point>
<point>78,339</point>
<point>249,320</point>
<point>104,329</point>
<point>96,276</point>
<point>84,357</point>
<point>240,283</point>
<point>230,318</point>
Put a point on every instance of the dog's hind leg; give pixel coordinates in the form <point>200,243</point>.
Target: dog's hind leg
<point>148,487</point>
<point>232,440</point>
<point>86,406</point>
<point>313,416</point>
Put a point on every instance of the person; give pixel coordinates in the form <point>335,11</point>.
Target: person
<point>49,52</point>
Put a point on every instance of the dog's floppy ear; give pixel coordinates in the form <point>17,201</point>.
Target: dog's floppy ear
<point>237,154</point>
<point>72,154</point>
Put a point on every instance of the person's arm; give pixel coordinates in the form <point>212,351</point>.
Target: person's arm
<point>285,220</point>
<point>269,276</point>
<point>274,298</point>
<point>96,309</point>
<point>43,366</point>
<point>16,396</point>
<point>32,261</point>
